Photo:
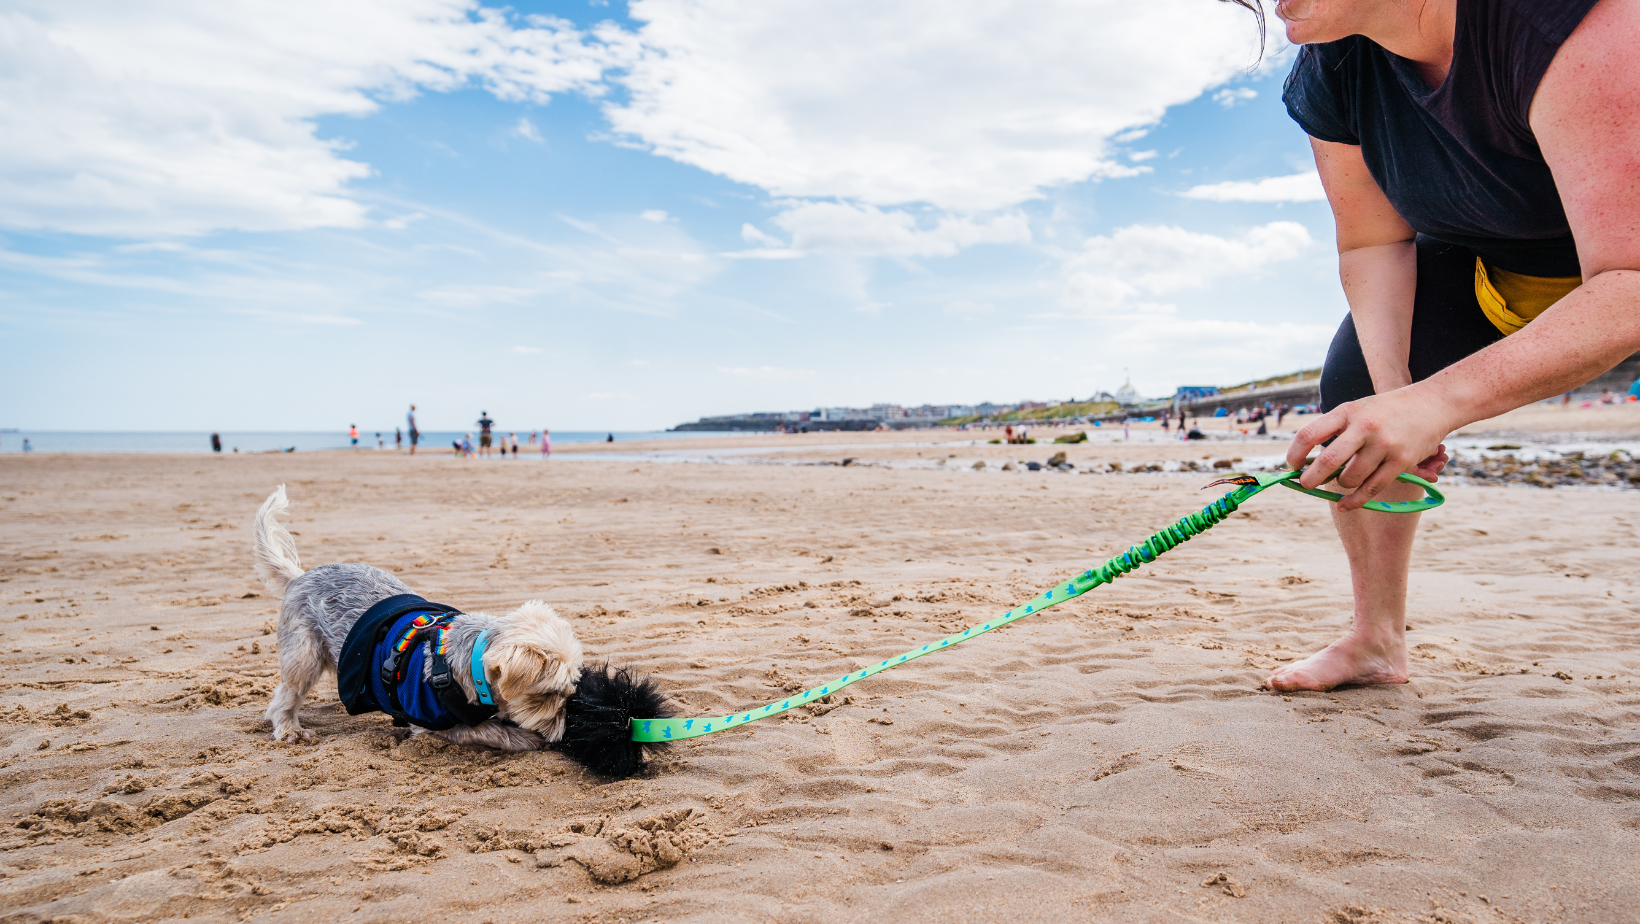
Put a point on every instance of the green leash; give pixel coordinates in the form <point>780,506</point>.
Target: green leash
<point>1194,524</point>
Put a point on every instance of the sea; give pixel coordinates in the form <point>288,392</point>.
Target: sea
<point>282,441</point>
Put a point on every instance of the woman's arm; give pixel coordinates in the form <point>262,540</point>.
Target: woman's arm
<point>1586,117</point>
<point>1377,262</point>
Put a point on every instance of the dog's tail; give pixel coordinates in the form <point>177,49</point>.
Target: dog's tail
<point>276,561</point>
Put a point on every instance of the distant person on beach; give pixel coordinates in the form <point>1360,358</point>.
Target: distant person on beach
<point>1478,158</point>
<point>410,423</point>
<point>512,443</point>
<point>610,438</point>
<point>353,434</point>
<point>484,439</point>
<point>216,441</point>
<point>380,444</point>
<point>398,440</point>
<point>466,446</point>
<point>546,442</point>
<point>27,447</point>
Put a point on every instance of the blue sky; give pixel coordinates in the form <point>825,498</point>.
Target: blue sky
<point>601,217</point>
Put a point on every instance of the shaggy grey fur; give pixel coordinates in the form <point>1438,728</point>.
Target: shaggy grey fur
<point>327,601</point>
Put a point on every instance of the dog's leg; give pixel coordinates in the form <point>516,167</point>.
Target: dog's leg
<point>302,661</point>
<point>494,735</point>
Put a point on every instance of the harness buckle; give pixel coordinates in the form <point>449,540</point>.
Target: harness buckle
<point>439,677</point>
<point>390,669</point>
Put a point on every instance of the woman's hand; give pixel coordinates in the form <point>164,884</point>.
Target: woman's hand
<point>1374,440</point>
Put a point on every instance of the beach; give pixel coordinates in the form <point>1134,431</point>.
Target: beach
<point>1110,759</point>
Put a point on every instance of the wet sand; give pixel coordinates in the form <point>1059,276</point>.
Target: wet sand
<point>1112,759</point>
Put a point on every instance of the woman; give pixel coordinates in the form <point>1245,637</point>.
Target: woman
<point>1482,160</point>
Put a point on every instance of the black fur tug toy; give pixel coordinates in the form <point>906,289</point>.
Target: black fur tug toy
<point>598,720</point>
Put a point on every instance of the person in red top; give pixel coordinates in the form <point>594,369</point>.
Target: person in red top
<point>353,434</point>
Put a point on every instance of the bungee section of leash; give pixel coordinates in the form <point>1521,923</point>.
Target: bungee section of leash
<point>1159,542</point>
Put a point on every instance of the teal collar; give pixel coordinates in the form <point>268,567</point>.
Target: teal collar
<point>481,685</point>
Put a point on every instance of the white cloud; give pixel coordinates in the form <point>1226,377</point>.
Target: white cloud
<point>1213,350</point>
<point>477,296</point>
<point>656,215</point>
<point>837,227</point>
<point>526,129</point>
<point>1230,96</point>
<point>767,373</point>
<point>751,235</point>
<point>294,317</point>
<point>1118,272</point>
<point>1300,187</point>
<point>969,310</point>
<point>175,117</point>
<point>403,221</point>
<point>527,350</point>
<point>965,105</point>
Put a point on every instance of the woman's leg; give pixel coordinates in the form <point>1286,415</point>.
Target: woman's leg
<point>1447,325</point>
<point>1374,650</point>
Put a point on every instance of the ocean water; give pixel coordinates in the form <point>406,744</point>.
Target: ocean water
<point>272,441</point>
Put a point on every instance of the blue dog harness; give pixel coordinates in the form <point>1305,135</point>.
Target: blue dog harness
<point>394,662</point>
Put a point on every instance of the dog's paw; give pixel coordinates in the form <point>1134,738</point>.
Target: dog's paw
<point>295,736</point>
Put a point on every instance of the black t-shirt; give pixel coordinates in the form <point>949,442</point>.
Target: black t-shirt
<point>484,424</point>
<point>1458,161</point>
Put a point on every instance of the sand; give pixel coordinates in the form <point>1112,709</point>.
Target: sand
<point>1112,759</point>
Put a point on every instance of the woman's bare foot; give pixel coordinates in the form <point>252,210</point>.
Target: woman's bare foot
<point>1351,659</point>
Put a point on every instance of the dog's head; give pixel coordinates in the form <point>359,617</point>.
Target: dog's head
<point>533,662</point>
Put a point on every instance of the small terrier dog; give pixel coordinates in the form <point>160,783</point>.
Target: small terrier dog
<point>532,662</point>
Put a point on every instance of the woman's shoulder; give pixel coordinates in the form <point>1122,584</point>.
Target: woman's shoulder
<point>1504,46</point>
<point>1322,87</point>
<point>1552,20</point>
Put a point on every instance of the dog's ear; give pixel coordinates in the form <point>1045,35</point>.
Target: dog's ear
<point>535,653</point>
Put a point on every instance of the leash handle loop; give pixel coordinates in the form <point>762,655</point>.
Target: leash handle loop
<point>1432,496</point>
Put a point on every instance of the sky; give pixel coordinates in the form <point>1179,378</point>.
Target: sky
<point>293,214</point>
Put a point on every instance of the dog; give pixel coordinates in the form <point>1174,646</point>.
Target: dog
<point>512,697</point>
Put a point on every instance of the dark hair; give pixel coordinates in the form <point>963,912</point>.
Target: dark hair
<point>1257,9</point>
